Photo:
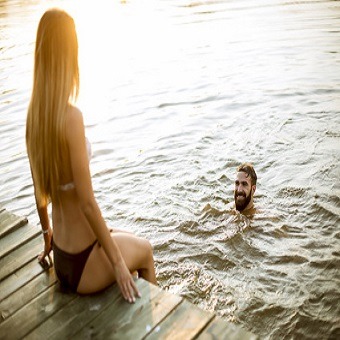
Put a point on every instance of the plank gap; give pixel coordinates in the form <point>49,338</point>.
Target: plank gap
<point>10,222</point>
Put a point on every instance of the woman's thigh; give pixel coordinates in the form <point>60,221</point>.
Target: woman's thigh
<point>98,271</point>
<point>116,230</point>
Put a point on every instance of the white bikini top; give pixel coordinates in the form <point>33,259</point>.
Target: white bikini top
<point>71,185</point>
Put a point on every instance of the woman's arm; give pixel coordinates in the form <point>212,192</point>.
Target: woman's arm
<point>75,135</point>
<point>46,229</point>
<point>47,233</point>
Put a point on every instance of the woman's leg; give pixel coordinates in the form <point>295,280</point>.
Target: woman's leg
<point>116,230</point>
<point>98,272</point>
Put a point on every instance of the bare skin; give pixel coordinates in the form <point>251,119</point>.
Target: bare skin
<point>244,190</point>
<point>77,223</point>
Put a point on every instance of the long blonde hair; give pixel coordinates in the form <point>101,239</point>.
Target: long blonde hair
<point>55,84</point>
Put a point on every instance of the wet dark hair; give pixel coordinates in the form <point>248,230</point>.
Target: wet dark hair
<point>249,170</point>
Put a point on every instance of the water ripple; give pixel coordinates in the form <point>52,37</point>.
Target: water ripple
<point>170,117</point>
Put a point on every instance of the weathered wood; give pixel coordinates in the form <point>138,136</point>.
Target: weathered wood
<point>131,321</point>
<point>10,222</point>
<point>157,306</point>
<point>32,306</point>
<point>20,257</point>
<point>72,317</point>
<point>34,313</point>
<point>22,277</point>
<point>185,322</point>
<point>17,238</point>
<point>13,302</point>
<point>223,330</point>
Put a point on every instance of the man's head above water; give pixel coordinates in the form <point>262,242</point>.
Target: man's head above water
<point>245,186</point>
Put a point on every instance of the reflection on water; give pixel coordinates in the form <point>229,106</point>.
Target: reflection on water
<point>175,95</point>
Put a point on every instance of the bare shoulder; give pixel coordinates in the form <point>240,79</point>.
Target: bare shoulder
<point>74,123</point>
<point>75,130</point>
<point>74,115</point>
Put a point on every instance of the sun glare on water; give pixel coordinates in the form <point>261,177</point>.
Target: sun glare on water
<point>112,40</point>
<point>124,51</point>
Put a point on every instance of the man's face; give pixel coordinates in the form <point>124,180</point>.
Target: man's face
<point>244,191</point>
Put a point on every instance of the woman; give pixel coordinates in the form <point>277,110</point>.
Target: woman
<point>87,257</point>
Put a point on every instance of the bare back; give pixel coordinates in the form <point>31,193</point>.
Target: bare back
<point>71,230</point>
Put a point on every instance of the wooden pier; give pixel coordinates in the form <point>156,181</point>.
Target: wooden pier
<point>33,307</point>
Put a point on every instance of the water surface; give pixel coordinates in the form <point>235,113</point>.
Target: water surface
<point>175,95</point>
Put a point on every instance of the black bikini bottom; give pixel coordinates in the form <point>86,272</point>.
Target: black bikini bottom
<point>69,267</point>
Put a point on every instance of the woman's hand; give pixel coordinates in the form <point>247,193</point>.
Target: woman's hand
<point>46,252</point>
<point>125,282</point>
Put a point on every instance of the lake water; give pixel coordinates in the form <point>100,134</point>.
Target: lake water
<point>175,95</point>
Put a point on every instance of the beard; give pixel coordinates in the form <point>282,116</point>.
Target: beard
<point>241,205</point>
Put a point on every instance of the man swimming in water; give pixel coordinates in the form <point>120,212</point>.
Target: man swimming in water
<point>245,186</point>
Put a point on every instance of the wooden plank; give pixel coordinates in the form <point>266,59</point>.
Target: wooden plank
<point>185,322</point>
<point>158,305</point>
<point>75,315</point>
<point>20,257</point>
<point>20,278</point>
<point>17,238</point>
<point>223,330</point>
<point>32,306</point>
<point>132,321</point>
<point>10,222</point>
<point>28,292</point>
<point>37,311</point>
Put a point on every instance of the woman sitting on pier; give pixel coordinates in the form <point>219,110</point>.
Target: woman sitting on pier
<point>87,256</point>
